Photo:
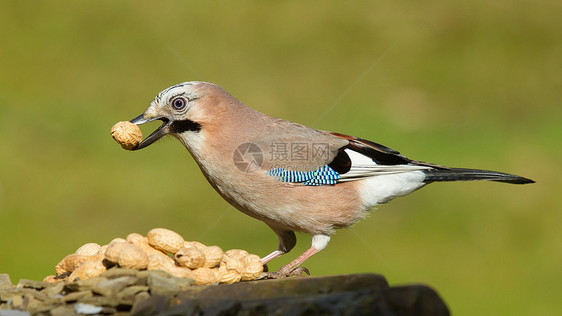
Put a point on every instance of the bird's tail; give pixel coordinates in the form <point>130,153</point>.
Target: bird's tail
<point>462,174</point>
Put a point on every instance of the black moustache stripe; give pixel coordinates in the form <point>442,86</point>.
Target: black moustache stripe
<point>183,126</point>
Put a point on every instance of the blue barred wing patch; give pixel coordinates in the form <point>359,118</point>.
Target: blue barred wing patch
<point>322,176</point>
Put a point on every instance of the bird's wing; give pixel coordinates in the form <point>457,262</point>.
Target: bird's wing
<point>354,159</point>
<point>291,146</point>
<point>363,166</point>
<point>368,159</point>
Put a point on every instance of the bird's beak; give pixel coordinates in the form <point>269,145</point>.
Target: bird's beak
<point>156,135</point>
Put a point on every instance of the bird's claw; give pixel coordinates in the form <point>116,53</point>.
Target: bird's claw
<point>286,273</point>
<point>299,271</point>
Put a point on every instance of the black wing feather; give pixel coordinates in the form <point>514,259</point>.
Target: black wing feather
<point>383,155</point>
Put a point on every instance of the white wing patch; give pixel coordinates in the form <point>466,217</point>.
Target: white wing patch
<point>364,167</point>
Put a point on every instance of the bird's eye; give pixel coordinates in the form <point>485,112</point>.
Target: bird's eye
<point>179,103</point>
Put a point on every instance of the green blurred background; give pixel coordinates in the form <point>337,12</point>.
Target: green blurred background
<point>467,84</point>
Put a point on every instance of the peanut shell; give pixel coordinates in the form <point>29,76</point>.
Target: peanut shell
<point>165,263</point>
<point>51,279</point>
<point>194,244</point>
<point>191,258</point>
<point>213,256</point>
<point>237,254</point>
<point>252,267</point>
<point>71,262</point>
<point>205,276</point>
<point>87,270</point>
<point>118,239</point>
<point>88,249</point>
<point>180,272</point>
<point>126,255</point>
<point>102,250</point>
<point>228,276</point>
<point>142,242</point>
<point>165,240</point>
<point>127,134</point>
<point>160,262</point>
<point>233,263</point>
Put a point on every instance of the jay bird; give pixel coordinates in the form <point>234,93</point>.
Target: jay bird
<point>291,177</point>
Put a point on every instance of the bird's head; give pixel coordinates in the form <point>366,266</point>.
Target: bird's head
<point>182,108</point>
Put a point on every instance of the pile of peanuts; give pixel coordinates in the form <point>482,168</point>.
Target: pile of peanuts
<point>161,249</point>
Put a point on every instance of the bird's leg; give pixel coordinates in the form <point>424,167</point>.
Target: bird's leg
<point>319,242</point>
<point>287,240</point>
<point>277,253</point>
